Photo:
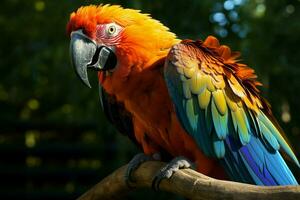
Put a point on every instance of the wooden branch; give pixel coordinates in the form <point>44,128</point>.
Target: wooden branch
<point>187,183</point>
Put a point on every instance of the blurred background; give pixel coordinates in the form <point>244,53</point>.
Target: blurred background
<point>55,142</point>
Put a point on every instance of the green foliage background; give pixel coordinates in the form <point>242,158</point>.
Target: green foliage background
<point>55,141</point>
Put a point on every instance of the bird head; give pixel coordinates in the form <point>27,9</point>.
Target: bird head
<point>115,41</point>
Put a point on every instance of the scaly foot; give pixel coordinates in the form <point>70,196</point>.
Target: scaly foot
<point>167,171</point>
<point>135,162</point>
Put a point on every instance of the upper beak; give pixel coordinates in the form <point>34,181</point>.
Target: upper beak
<point>85,53</point>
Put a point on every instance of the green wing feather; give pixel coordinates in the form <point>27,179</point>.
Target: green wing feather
<point>213,104</point>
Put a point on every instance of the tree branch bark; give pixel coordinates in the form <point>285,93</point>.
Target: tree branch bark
<point>187,183</point>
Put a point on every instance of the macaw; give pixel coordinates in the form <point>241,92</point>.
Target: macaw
<point>190,100</point>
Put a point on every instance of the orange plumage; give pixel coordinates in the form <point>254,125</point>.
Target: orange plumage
<point>138,81</point>
<point>144,46</point>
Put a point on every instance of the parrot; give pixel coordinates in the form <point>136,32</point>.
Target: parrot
<point>190,102</point>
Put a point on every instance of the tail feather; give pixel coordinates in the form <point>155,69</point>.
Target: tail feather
<point>256,164</point>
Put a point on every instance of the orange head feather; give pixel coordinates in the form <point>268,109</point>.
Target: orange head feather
<point>141,42</point>
<point>142,37</point>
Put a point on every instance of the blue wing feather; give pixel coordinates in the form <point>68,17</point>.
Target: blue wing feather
<point>247,144</point>
<point>219,121</point>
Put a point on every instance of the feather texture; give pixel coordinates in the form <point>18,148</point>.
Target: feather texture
<point>218,104</point>
<point>220,112</point>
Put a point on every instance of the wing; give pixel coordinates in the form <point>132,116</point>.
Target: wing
<point>218,104</point>
<point>117,114</point>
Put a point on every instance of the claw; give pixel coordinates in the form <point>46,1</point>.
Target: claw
<point>167,171</point>
<point>136,161</point>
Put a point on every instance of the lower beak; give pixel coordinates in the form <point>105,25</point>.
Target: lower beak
<point>85,53</point>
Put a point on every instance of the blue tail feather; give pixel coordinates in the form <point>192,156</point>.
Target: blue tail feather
<point>256,164</point>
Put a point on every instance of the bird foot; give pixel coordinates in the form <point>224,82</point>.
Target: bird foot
<point>135,162</point>
<point>167,171</point>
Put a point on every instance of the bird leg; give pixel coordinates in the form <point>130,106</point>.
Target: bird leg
<point>168,170</point>
<point>135,162</point>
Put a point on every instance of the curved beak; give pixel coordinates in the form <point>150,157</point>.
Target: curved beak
<point>85,53</point>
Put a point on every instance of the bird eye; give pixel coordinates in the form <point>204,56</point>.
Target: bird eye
<point>112,30</point>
